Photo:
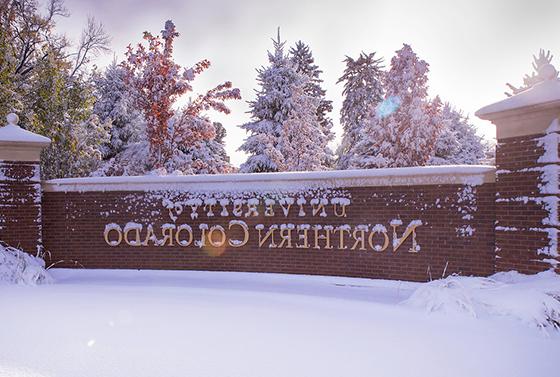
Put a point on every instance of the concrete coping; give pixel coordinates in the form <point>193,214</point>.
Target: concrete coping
<point>291,181</point>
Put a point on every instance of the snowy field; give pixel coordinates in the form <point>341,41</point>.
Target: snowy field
<point>107,323</point>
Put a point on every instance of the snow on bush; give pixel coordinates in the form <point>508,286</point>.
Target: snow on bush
<point>532,299</point>
<point>18,267</point>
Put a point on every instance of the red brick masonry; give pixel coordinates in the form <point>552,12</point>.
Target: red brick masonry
<point>20,205</point>
<point>456,235</point>
<point>526,204</point>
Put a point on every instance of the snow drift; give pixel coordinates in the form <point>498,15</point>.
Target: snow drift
<point>18,267</point>
<point>532,299</point>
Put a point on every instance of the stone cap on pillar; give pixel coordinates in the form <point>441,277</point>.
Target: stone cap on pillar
<point>17,144</point>
<point>529,112</point>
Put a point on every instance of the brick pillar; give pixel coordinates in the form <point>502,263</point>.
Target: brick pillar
<point>20,186</point>
<point>527,168</point>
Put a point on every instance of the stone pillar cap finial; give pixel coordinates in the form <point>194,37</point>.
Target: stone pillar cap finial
<point>12,119</point>
<point>12,133</point>
<point>17,144</point>
<point>530,111</point>
<point>547,72</point>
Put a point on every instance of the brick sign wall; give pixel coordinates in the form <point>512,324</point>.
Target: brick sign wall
<point>374,226</point>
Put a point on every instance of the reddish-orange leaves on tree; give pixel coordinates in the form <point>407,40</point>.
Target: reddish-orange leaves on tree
<point>159,81</point>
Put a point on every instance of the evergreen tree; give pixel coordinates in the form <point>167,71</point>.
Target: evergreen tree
<point>217,148</point>
<point>114,103</point>
<point>203,154</point>
<point>301,144</point>
<point>283,92</point>
<point>219,142</point>
<point>90,137</point>
<point>458,142</point>
<point>269,111</point>
<point>302,57</point>
<point>208,156</point>
<point>404,127</point>
<point>363,90</point>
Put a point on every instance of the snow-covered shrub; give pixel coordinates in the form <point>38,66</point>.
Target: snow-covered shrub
<point>18,267</point>
<point>203,154</point>
<point>532,299</point>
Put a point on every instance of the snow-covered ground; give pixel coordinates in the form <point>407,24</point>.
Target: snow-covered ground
<point>107,323</point>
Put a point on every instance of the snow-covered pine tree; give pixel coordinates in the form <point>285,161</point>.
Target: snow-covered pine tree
<point>204,153</point>
<point>158,82</point>
<point>458,142</point>
<point>302,145</point>
<point>208,155</point>
<point>90,139</point>
<point>363,90</point>
<point>269,111</point>
<point>114,103</point>
<point>404,128</point>
<point>219,141</point>
<point>281,85</point>
<point>217,149</point>
<point>302,57</point>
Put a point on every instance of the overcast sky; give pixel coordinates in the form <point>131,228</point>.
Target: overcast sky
<point>473,47</point>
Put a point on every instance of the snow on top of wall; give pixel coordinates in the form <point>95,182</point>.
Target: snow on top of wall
<point>426,175</point>
<point>544,92</point>
<point>12,132</point>
<point>18,134</point>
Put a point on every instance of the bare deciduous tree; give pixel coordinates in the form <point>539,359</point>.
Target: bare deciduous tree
<point>31,35</point>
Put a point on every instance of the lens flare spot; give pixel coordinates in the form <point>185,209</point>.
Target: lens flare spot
<point>388,106</point>
<point>214,251</point>
<point>215,242</point>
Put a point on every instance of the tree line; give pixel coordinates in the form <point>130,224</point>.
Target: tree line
<point>123,120</point>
